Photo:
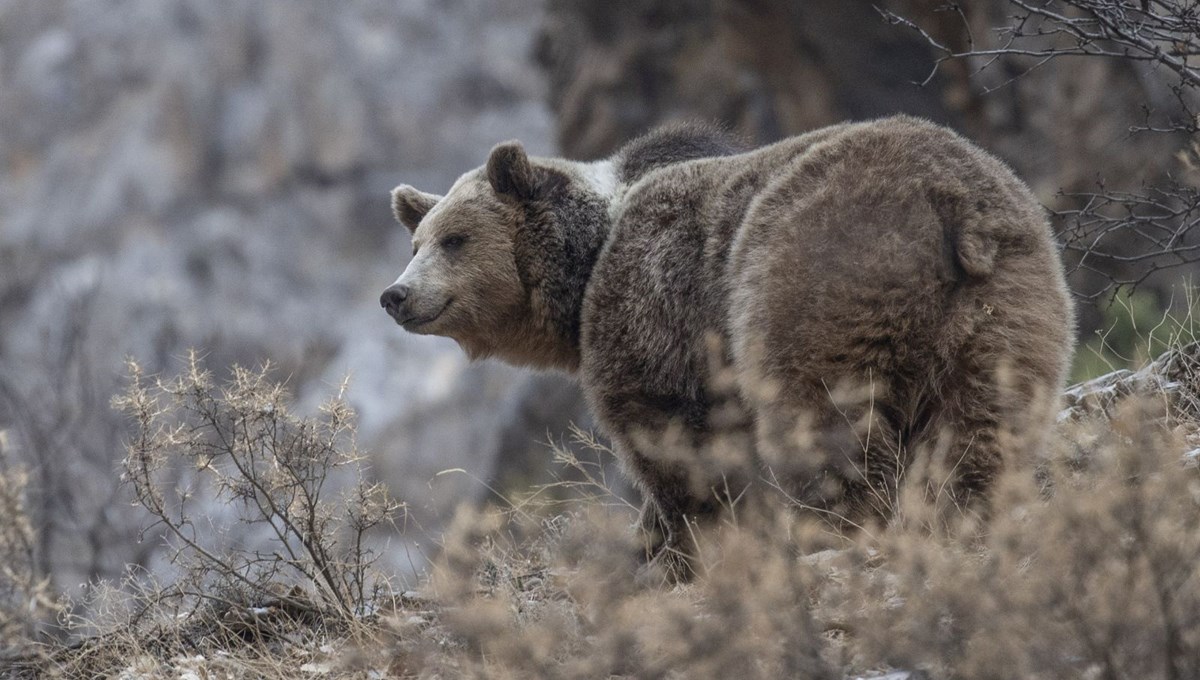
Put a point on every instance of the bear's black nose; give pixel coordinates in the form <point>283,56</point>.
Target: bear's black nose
<point>393,298</point>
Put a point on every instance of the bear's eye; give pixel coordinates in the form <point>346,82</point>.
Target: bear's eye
<point>454,242</point>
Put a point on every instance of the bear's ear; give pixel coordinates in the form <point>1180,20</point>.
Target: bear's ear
<point>410,205</point>
<point>509,171</point>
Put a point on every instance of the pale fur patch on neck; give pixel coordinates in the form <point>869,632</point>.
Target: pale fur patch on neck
<point>600,176</point>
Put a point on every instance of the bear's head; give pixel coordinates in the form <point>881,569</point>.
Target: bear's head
<point>501,261</point>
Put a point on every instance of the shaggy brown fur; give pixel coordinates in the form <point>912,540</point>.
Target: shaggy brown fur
<point>825,307</point>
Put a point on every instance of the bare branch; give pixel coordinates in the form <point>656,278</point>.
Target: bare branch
<point>1123,237</point>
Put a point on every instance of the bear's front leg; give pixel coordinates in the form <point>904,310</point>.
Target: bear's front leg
<point>672,509</point>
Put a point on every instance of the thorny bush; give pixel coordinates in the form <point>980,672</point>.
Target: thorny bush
<point>236,445</point>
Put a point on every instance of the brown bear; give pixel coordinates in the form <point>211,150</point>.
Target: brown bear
<point>809,315</point>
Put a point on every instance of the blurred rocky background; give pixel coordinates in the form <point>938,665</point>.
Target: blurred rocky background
<point>214,174</point>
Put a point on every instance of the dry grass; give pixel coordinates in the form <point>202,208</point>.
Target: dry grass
<point>25,599</point>
<point>1086,569</point>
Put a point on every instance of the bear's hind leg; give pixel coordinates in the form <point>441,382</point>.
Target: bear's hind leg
<point>993,417</point>
<point>837,457</point>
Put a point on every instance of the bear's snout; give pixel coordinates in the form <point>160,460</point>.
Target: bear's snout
<point>393,299</point>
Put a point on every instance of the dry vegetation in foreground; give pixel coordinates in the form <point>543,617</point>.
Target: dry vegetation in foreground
<point>1088,568</point>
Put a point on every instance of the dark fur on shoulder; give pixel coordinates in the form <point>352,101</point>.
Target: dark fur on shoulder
<point>673,144</point>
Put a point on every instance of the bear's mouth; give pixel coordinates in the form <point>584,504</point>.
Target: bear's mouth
<point>415,322</point>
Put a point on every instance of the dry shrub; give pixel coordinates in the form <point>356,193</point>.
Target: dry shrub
<point>1087,568</point>
<point>242,448</point>
<point>569,595</point>
<point>1088,572</point>
<point>569,598</point>
<point>25,600</point>
<point>266,515</point>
